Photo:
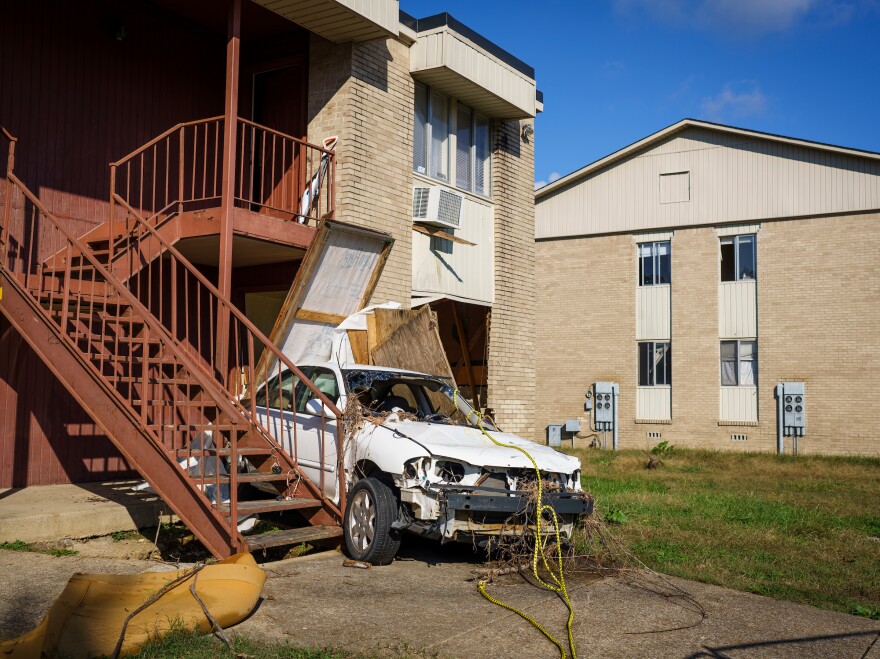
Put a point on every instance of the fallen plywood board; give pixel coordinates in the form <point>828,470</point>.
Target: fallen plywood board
<point>408,339</point>
<point>337,278</point>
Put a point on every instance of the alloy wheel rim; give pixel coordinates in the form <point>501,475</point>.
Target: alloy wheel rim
<point>363,518</point>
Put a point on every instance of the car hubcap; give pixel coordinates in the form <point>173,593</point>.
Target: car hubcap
<point>363,520</point>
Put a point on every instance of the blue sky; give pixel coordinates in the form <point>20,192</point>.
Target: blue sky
<point>614,71</point>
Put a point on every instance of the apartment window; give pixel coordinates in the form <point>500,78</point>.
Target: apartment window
<point>738,258</point>
<point>432,140</point>
<point>655,363</point>
<point>655,266</point>
<point>739,363</point>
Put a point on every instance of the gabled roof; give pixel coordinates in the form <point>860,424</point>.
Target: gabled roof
<point>681,125</point>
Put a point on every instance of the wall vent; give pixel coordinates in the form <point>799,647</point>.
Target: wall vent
<point>739,437</point>
<point>438,206</point>
<point>654,435</point>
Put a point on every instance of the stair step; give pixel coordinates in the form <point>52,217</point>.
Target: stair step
<point>271,505</point>
<point>292,536</point>
<point>211,452</point>
<point>255,477</point>
<point>190,426</point>
<point>138,379</point>
<point>163,402</point>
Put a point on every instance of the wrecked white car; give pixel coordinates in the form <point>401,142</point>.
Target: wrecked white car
<point>414,459</point>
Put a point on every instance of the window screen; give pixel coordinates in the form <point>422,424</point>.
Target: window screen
<point>463,148</point>
<point>439,136</point>
<point>482,156</point>
<point>420,130</point>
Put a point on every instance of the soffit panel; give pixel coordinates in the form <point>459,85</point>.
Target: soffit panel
<point>340,21</point>
<point>457,66</point>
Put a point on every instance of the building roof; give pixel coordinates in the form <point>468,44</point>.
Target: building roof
<point>679,126</point>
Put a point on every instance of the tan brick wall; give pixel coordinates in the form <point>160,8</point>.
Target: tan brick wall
<point>818,321</point>
<point>511,376</point>
<point>364,94</point>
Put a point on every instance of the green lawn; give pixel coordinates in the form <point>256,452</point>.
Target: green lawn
<point>799,528</point>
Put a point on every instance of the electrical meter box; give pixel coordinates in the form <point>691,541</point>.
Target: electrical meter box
<point>554,434</point>
<point>573,425</point>
<point>794,408</point>
<point>604,397</point>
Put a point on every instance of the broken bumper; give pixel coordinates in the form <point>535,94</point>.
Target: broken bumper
<point>492,511</point>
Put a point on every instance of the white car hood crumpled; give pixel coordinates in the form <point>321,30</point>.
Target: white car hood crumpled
<point>469,445</point>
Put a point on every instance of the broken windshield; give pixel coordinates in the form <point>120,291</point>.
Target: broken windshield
<point>430,398</point>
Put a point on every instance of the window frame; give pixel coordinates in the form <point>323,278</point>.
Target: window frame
<point>453,105</point>
<point>737,240</point>
<point>738,362</point>
<point>655,261</point>
<point>652,369</point>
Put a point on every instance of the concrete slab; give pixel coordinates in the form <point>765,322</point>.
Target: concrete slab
<point>425,605</point>
<point>52,512</point>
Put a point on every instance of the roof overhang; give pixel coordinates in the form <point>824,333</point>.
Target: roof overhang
<point>341,21</point>
<point>458,61</point>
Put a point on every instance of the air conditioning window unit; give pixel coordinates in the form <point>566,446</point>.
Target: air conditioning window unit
<point>438,206</point>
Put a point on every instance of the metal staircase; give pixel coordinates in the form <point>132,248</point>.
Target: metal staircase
<point>160,360</point>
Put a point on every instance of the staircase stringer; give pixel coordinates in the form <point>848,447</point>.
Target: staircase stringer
<point>124,429</point>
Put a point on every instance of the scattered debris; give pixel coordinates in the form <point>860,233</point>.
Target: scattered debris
<point>361,564</point>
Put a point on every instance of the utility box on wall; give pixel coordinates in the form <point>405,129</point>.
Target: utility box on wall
<point>794,406</point>
<point>554,434</point>
<point>605,402</point>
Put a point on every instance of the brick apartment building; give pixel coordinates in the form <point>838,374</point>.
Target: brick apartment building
<point>699,268</point>
<point>425,104</point>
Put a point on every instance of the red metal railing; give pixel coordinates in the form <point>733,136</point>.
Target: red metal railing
<point>151,340</point>
<point>181,170</point>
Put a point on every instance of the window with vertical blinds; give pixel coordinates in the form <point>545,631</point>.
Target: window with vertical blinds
<point>470,166</point>
<point>420,131</point>
<point>464,147</point>
<point>439,137</point>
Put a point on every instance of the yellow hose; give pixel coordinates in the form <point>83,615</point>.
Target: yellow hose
<point>558,578</point>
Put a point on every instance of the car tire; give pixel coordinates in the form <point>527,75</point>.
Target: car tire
<point>371,509</point>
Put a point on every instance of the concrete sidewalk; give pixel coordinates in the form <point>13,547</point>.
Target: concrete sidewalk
<point>424,605</point>
<point>53,512</point>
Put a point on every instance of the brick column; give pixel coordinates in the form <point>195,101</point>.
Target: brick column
<point>512,349</point>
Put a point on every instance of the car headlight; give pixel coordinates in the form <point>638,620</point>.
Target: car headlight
<point>449,471</point>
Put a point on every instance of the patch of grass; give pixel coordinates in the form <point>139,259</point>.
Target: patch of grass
<point>19,545</point>
<point>186,644</point>
<point>798,528</point>
<point>119,536</point>
<point>16,545</point>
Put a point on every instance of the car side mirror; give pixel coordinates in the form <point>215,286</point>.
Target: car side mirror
<point>316,407</point>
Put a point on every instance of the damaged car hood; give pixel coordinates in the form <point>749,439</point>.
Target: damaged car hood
<point>469,445</point>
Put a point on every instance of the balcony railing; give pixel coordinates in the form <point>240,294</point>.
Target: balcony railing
<point>181,170</point>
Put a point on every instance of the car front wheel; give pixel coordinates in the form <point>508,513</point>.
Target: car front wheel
<point>372,508</point>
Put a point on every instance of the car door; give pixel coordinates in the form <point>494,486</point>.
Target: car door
<point>314,436</point>
<point>272,401</point>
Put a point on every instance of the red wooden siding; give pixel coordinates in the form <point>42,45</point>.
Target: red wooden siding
<point>45,437</point>
<point>77,98</point>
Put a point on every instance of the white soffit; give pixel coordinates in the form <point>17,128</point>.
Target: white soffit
<point>456,65</point>
<point>340,21</point>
